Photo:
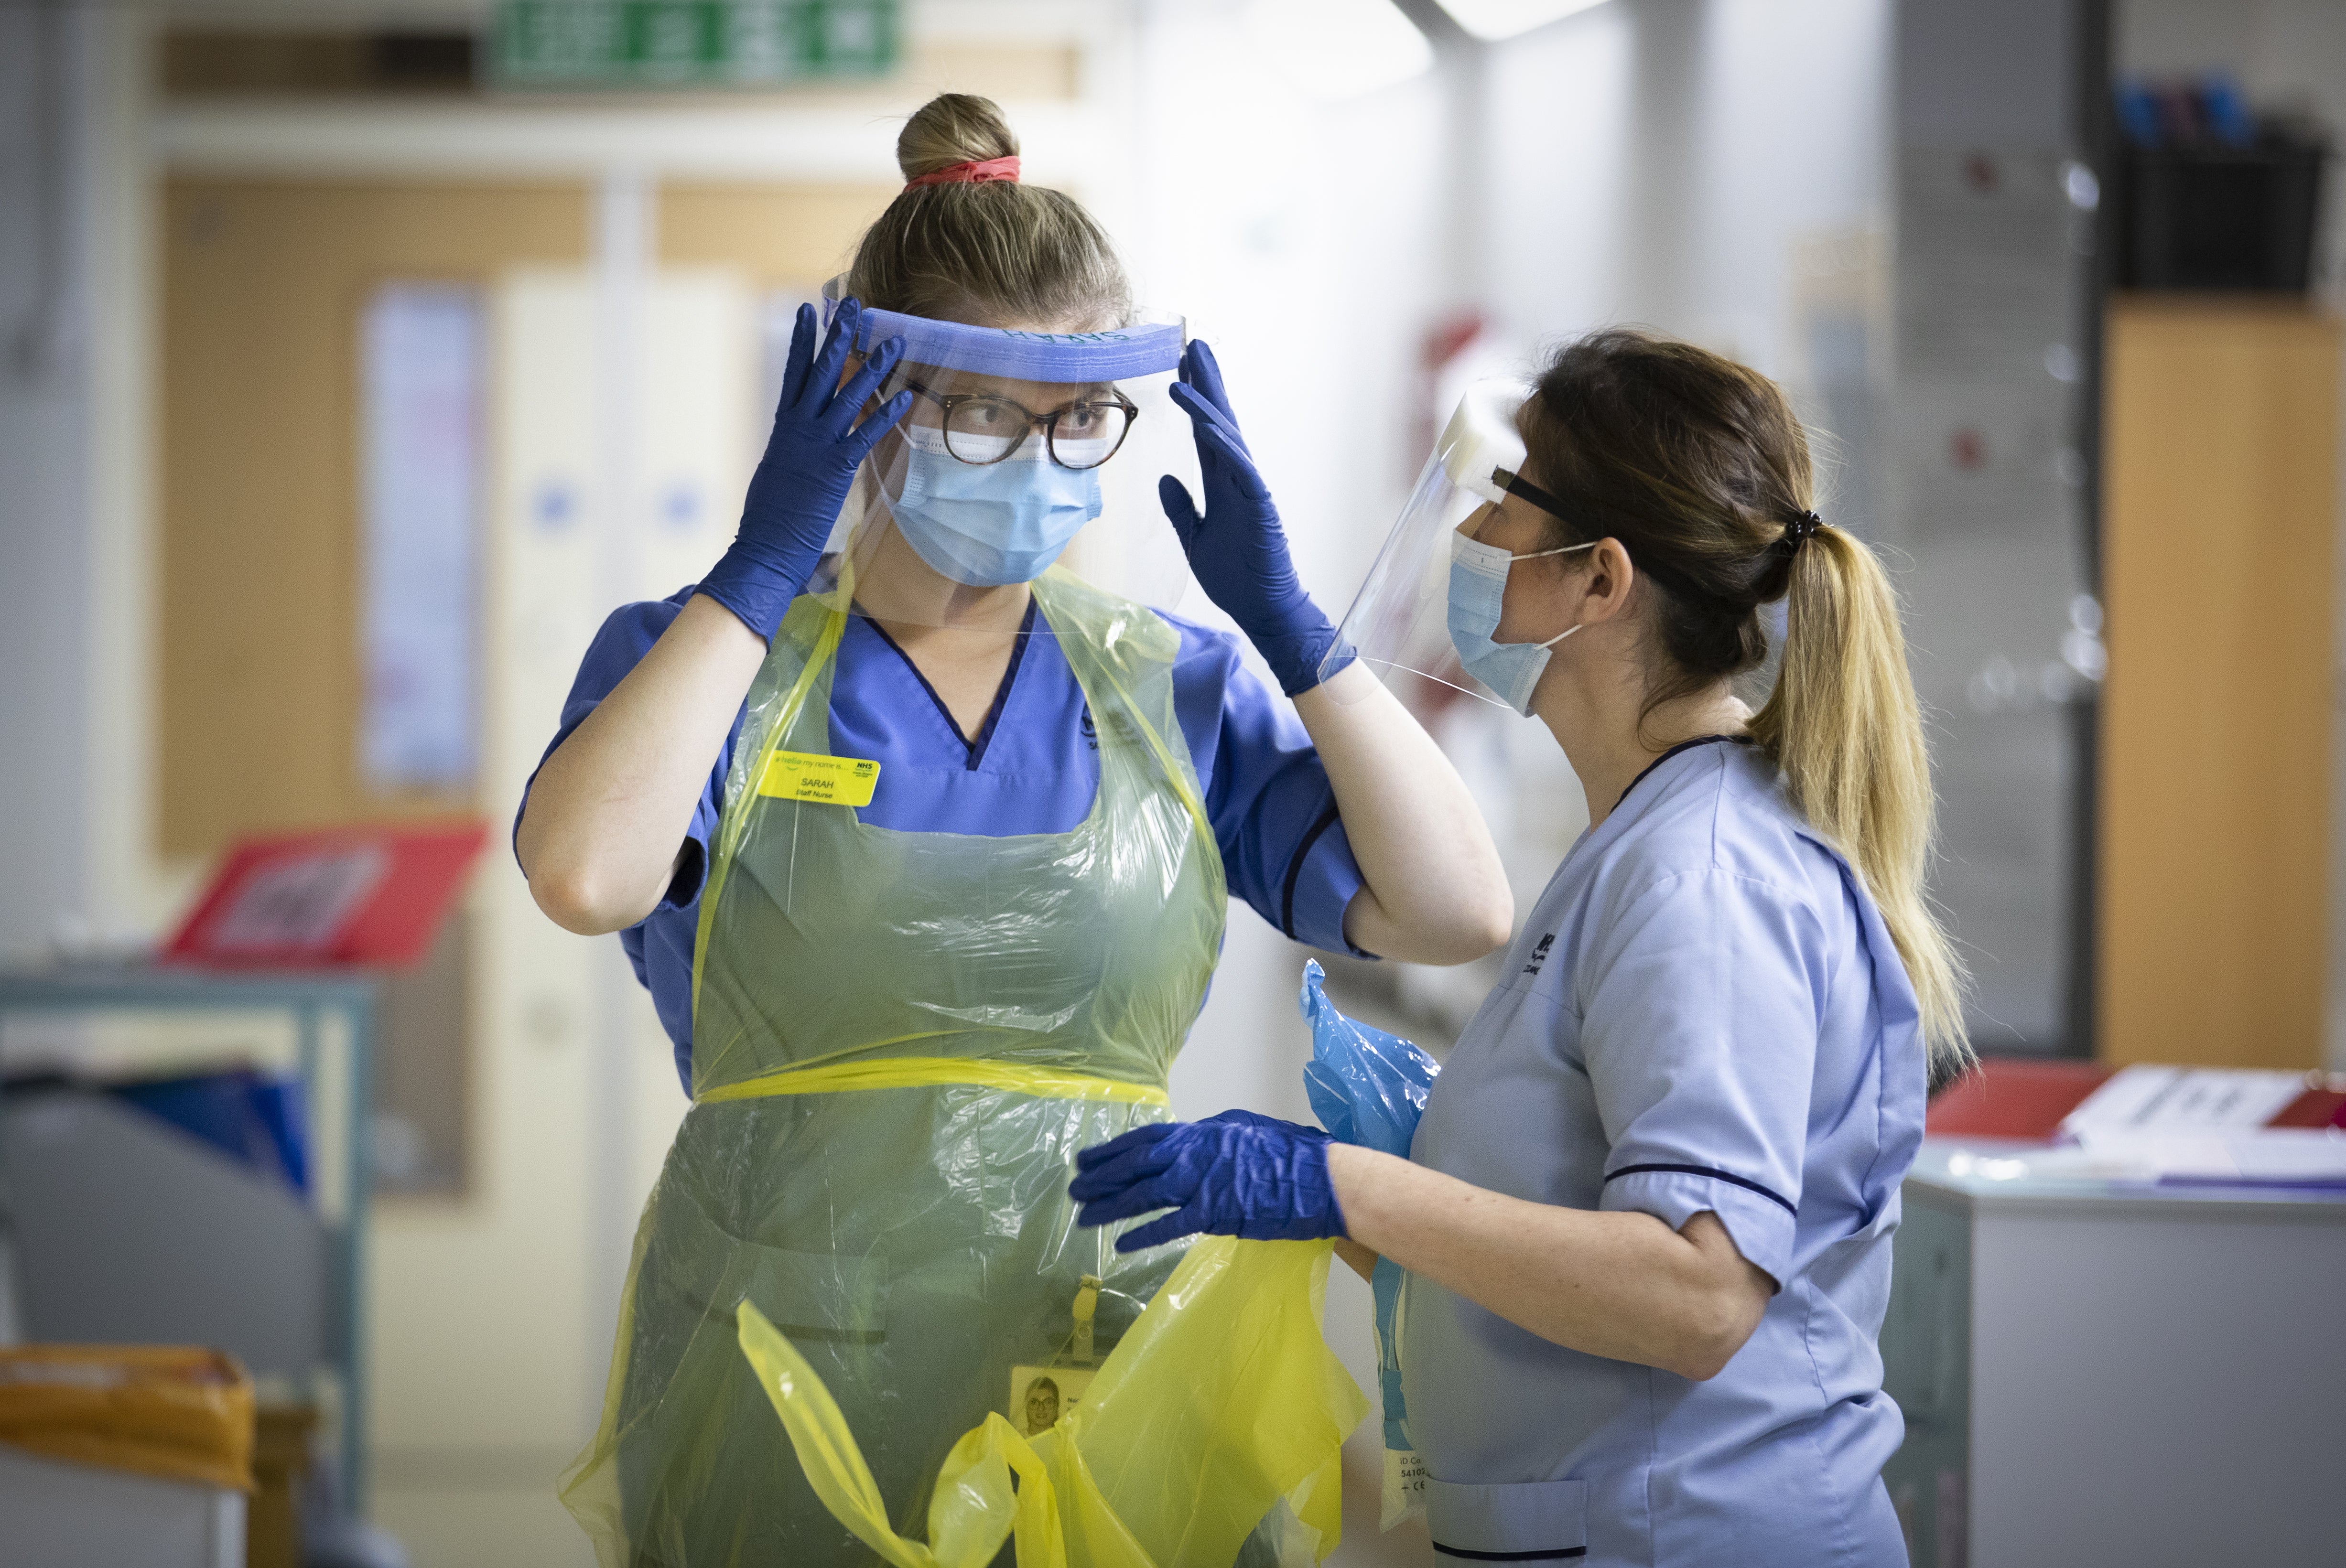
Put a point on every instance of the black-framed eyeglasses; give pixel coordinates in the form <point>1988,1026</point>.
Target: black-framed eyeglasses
<point>984,428</point>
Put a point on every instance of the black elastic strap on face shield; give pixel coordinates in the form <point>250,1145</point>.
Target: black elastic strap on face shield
<point>1516,484</point>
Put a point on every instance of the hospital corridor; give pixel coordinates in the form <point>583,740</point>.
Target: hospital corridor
<point>1171,783</point>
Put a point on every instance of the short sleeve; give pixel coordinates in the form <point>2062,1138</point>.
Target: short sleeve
<point>1266,794</point>
<point>625,637</point>
<point>1698,1030</point>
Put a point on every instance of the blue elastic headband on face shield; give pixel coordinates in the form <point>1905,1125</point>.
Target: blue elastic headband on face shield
<point>1145,349</point>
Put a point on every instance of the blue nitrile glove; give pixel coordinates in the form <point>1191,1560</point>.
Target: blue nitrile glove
<point>1237,547</point>
<point>803,479</point>
<point>1238,1174</point>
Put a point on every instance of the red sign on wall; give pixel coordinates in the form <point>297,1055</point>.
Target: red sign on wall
<point>343,896</point>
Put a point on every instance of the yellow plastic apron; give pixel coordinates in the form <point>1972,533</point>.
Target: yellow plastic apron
<point>900,1041</point>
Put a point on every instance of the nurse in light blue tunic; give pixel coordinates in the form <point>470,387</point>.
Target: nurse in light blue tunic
<point>1647,1216</point>
<point>1704,1016</point>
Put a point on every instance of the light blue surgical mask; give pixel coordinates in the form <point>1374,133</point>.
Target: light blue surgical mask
<point>992,524</point>
<point>1478,588</point>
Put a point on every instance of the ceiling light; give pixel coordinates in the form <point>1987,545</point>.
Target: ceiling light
<point>1491,20</point>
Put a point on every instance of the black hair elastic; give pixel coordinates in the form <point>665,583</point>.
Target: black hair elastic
<point>1798,532</point>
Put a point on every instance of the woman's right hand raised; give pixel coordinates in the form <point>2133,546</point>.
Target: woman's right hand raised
<point>803,479</point>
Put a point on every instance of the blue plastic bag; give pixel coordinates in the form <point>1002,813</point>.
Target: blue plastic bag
<point>1368,1087</point>
<point>258,1119</point>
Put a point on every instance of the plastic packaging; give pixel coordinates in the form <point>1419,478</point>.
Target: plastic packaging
<point>1223,1400</point>
<point>1368,1087</point>
<point>181,1414</point>
<point>260,1120</point>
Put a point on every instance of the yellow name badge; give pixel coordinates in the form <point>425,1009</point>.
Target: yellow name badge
<point>833,780</point>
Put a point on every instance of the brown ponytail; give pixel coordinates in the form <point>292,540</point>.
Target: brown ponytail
<point>1845,729</point>
<point>992,253</point>
<point>1700,468</point>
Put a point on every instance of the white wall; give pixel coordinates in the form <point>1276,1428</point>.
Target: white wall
<point>1300,239</point>
<point>45,555</point>
<point>75,732</point>
<point>1657,162</point>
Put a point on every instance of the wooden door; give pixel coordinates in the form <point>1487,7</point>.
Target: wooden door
<point>2219,552</point>
<point>776,236</point>
<point>478,1324</point>
<point>264,283</point>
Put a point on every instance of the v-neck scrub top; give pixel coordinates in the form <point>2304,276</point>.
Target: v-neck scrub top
<point>1033,768</point>
<point>1704,1011</point>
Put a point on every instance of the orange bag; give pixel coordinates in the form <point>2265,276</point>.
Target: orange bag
<point>180,1413</point>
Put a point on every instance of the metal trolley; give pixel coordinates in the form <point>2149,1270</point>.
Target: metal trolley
<point>114,1227</point>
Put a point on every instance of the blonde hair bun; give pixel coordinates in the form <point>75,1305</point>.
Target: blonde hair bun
<point>951,128</point>
<point>996,254</point>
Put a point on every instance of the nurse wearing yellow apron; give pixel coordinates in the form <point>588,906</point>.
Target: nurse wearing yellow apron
<point>922,844</point>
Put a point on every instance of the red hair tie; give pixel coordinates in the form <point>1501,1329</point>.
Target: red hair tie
<point>991,171</point>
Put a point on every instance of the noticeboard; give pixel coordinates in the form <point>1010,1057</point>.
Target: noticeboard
<point>634,45</point>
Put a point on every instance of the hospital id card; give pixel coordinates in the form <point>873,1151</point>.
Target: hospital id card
<point>1039,1396</point>
<point>833,780</point>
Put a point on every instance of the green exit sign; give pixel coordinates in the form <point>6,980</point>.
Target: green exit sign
<point>591,43</point>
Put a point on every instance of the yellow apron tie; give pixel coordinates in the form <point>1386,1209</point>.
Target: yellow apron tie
<point>925,1072</point>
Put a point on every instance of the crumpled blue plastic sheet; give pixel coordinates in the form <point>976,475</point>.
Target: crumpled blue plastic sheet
<point>1367,1087</point>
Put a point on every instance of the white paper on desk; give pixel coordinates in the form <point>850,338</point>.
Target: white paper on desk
<point>2145,1099</point>
<point>2291,1155</point>
<point>2265,1155</point>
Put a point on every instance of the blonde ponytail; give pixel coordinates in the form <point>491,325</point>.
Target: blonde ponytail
<point>1845,730</point>
<point>1698,467</point>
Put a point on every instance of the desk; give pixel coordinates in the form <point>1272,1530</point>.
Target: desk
<point>2106,1376</point>
<point>333,1020</point>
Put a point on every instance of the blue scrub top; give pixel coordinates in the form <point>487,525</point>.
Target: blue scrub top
<point>1704,1011</point>
<point>1033,768</point>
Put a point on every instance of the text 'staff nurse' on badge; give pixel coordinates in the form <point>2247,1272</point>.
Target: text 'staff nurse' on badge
<point>833,780</point>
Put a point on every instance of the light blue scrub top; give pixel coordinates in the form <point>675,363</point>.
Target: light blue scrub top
<point>1704,1011</point>
<point>1033,768</point>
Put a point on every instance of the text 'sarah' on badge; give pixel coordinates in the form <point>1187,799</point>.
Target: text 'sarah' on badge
<point>833,780</point>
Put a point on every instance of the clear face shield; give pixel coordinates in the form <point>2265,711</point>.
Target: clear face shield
<point>1022,449</point>
<point>1399,623</point>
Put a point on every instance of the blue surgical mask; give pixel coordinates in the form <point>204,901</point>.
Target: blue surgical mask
<point>1478,588</point>
<point>992,524</point>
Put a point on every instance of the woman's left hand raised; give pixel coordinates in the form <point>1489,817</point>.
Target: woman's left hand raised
<point>1238,1174</point>
<point>1235,545</point>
